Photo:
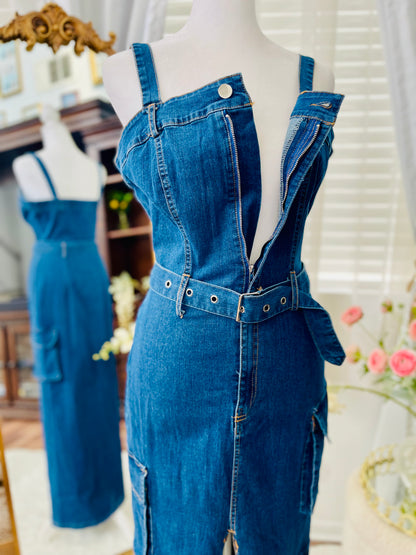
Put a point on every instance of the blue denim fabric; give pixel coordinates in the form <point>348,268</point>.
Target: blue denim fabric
<point>70,318</point>
<point>226,404</point>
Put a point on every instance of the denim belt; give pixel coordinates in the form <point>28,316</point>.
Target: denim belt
<point>254,307</point>
<point>48,245</point>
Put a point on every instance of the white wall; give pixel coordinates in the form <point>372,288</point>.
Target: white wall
<point>36,87</point>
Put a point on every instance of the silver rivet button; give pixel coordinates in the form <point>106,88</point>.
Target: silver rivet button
<point>214,298</point>
<point>283,300</point>
<point>168,283</point>
<point>189,292</point>
<point>225,90</point>
<point>266,308</point>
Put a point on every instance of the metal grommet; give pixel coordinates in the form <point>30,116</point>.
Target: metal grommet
<point>266,308</point>
<point>214,298</point>
<point>242,309</point>
<point>168,283</point>
<point>189,292</point>
<point>283,300</point>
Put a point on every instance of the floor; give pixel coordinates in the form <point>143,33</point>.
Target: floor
<point>28,434</point>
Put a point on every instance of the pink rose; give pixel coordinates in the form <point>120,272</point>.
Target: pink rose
<point>412,330</point>
<point>353,353</point>
<point>387,306</point>
<point>352,315</point>
<point>403,362</point>
<point>377,361</point>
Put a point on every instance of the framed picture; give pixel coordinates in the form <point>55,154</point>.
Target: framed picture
<point>10,71</point>
<point>69,99</point>
<point>96,63</point>
<point>3,119</point>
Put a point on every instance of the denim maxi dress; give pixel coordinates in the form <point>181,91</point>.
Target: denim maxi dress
<point>226,402</point>
<point>70,317</point>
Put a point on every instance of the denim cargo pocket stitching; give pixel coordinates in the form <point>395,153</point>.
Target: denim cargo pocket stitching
<point>47,367</point>
<point>138,475</point>
<point>312,456</point>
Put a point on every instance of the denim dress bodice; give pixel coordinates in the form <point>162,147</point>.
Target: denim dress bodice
<point>59,219</point>
<point>193,162</point>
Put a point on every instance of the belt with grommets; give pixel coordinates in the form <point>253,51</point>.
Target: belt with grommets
<point>253,307</point>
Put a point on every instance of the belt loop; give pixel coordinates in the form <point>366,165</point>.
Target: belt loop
<point>295,290</point>
<point>179,296</point>
<point>152,120</point>
<point>240,298</point>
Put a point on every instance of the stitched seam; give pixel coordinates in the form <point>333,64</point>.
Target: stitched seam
<point>173,123</point>
<point>171,203</point>
<point>191,119</point>
<point>332,123</point>
<point>235,202</point>
<point>263,319</point>
<point>255,358</point>
<point>155,74</point>
<point>313,470</point>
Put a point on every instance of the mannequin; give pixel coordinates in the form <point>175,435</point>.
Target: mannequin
<point>222,37</point>
<point>74,174</point>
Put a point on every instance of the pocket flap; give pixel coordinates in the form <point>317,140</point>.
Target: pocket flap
<point>45,338</point>
<point>47,367</point>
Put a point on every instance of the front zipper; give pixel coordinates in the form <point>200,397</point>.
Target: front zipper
<point>248,267</point>
<point>296,163</point>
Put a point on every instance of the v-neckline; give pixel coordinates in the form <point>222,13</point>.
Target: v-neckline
<point>286,143</point>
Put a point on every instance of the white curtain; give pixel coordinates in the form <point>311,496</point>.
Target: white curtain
<point>130,20</point>
<point>398,33</point>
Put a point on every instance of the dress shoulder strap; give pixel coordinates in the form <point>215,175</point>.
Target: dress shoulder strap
<point>147,72</point>
<point>306,66</point>
<point>46,173</point>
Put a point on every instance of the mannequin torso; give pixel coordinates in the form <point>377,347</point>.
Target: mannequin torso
<point>221,38</point>
<point>74,175</point>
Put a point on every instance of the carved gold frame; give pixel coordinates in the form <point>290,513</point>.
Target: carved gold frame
<point>54,27</point>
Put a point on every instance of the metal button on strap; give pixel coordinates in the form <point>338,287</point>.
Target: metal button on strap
<point>168,283</point>
<point>225,90</point>
<point>283,300</point>
<point>214,298</point>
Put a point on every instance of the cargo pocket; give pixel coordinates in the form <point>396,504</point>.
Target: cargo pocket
<point>45,345</point>
<point>312,455</point>
<point>138,477</point>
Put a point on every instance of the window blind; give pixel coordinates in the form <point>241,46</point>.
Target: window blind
<point>358,238</point>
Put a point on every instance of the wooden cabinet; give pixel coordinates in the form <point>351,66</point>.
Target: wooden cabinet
<point>19,389</point>
<point>122,249</point>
